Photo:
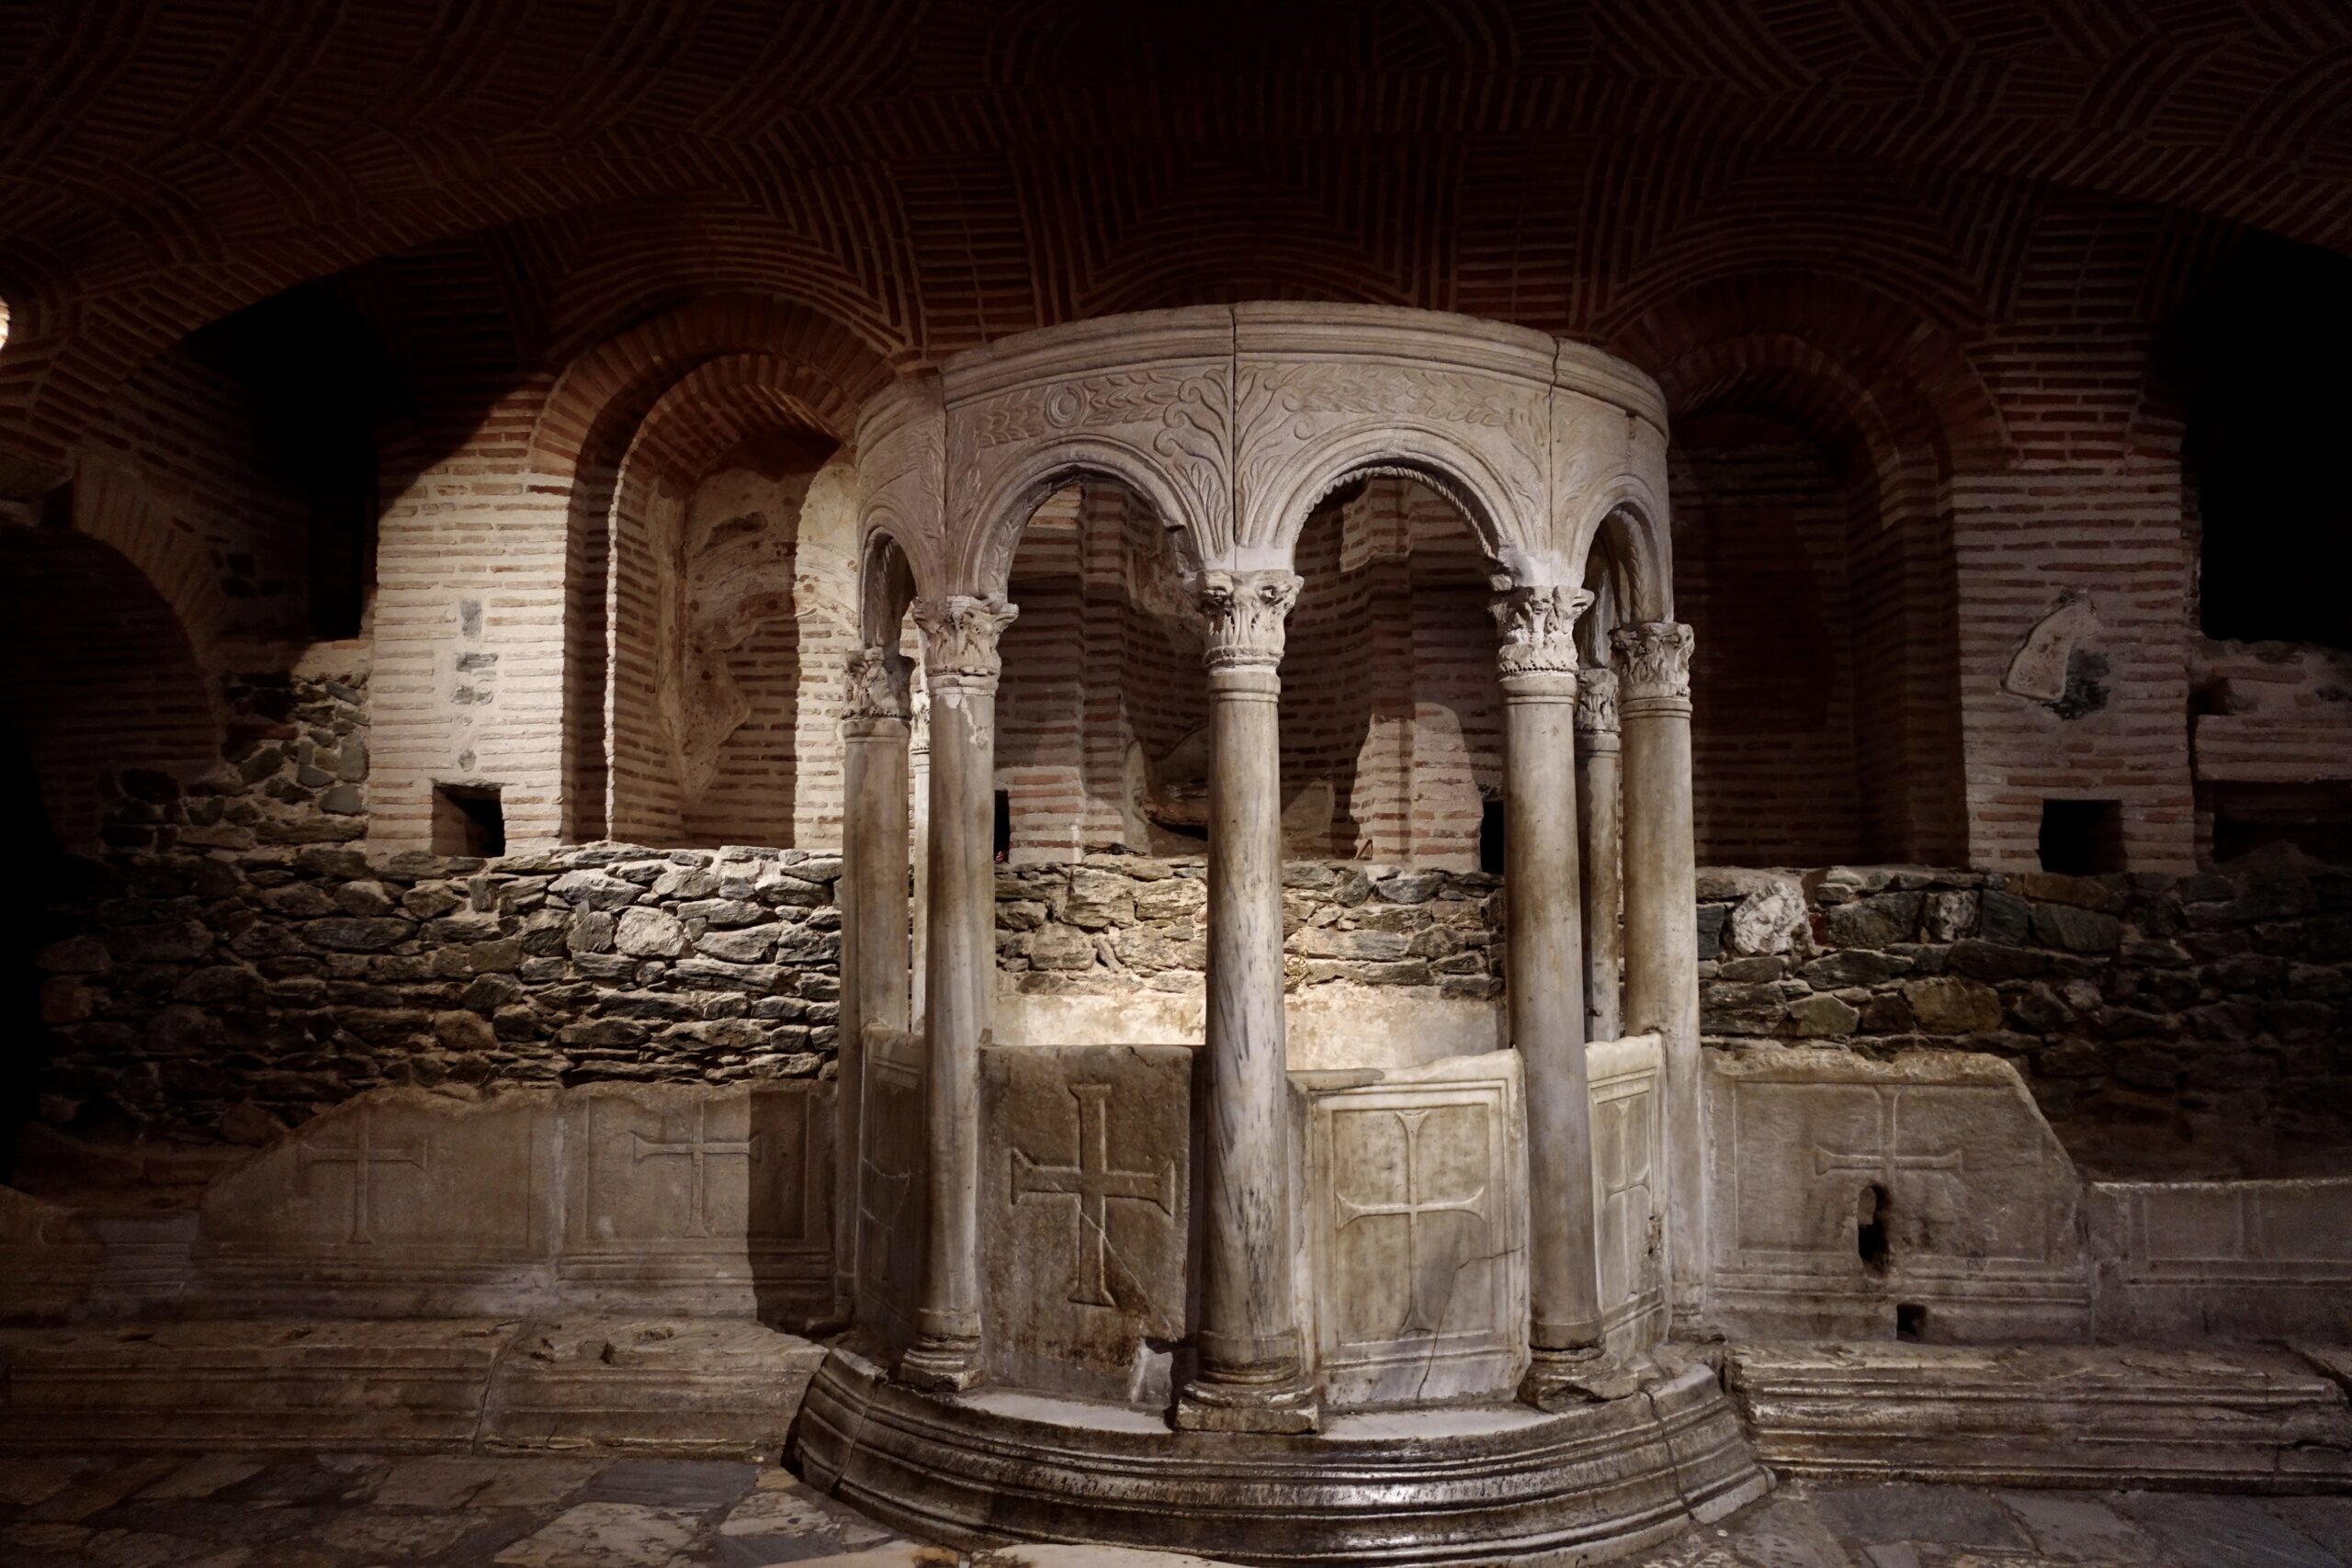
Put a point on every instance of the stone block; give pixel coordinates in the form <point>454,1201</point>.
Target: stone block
<point>892,1202</point>
<point>1946,1004</point>
<point>1085,1212</point>
<point>2235,1259</point>
<point>1846,1188</point>
<point>1415,1228</point>
<point>1628,1130</point>
<point>2238,1419</point>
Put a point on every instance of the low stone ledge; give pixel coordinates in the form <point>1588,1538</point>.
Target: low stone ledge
<point>446,1385</point>
<point>2045,1415</point>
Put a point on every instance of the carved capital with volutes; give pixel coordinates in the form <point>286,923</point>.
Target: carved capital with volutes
<point>1597,702</point>
<point>1653,662</point>
<point>1538,626</point>
<point>878,679</point>
<point>1246,611</point>
<point>959,639</point>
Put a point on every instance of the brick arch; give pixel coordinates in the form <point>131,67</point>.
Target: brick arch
<point>98,674</point>
<point>1841,586</point>
<point>807,365</point>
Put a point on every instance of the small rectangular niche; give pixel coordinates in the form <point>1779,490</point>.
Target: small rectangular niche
<point>1001,828</point>
<point>2082,838</point>
<point>468,819</point>
<point>1490,835</point>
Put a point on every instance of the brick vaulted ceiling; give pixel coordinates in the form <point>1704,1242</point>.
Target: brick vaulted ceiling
<point>934,174</point>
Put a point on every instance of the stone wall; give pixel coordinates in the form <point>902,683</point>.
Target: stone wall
<point>202,998</point>
<point>2173,1027</point>
<point>2168,1027</point>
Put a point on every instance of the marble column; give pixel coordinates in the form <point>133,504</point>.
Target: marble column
<point>1661,915</point>
<point>1544,962</point>
<point>1251,1370</point>
<point>873,911</point>
<point>919,807</point>
<point>960,665</point>
<point>1598,813</point>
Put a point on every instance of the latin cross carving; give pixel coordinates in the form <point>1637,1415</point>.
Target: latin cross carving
<point>1096,1183</point>
<point>1538,626</point>
<point>1410,1206</point>
<point>699,1151</point>
<point>1246,612</point>
<point>1886,1162</point>
<point>363,1154</point>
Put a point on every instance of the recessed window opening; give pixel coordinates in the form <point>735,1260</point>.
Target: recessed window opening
<point>1870,1226</point>
<point>469,819</point>
<point>1910,1320</point>
<point>1003,826</point>
<point>2082,838</point>
<point>1490,837</point>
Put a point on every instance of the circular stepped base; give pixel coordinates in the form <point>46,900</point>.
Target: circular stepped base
<point>1475,1485</point>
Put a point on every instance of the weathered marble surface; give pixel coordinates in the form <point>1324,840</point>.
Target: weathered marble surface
<point>2046,1415</point>
<point>1086,1177</point>
<point>1847,1191</point>
<point>707,1386</point>
<point>2223,1260</point>
<point>1415,1215</point>
<point>642,1197</point>
<point>1627,1081</point>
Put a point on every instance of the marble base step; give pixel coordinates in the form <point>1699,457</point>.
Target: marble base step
<point>2242,1419</point>
<point>1457,1484</point>
<point>707,1387</point>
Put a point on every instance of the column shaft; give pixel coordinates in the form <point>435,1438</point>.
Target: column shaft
<point>873,913</point>
<point>1661,917</point>
<point>1543,960</point>
<point>919,805</point>
<point>1600,813</point>
<point>960,661</point>
<point>1250,1374</point>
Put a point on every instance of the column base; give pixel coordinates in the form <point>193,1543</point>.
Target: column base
<point>940,1366</point>
<point>1562,1380</point>
<point>1248,1407</point>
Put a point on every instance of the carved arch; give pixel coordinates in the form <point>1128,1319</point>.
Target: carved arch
<point>1005,508</point>
<point>1418,450</point>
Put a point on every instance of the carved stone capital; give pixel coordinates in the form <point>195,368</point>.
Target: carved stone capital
<point>1245,612</point>
<point>1597,702</point>
<point>1653,662</point>
<point>959,637</point>
<point>878,684</point>
<point>919,722</point>
<point>1538,623</point>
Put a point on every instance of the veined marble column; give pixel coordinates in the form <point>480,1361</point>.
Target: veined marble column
<point>960,665</point>
<point>919,790</point>
<point>873,910</point>
<point>1598,810</point>
<point>1661,914</point>
<point>1252,1374</point>
<point>1543,959</point>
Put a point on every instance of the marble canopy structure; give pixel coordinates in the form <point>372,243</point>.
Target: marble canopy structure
<point>1158,1294</point>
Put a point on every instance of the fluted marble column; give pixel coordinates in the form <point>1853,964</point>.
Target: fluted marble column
<point>1598,810</point>
<point>873,911</point>
<point>1661,915</point>
<point>1251,1376</point>
<point>960,664</point>
<point>1543,960</point>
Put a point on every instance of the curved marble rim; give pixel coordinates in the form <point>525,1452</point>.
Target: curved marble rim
<point>1487,1485</point>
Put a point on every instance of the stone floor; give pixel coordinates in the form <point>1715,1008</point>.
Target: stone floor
<point>354,1511</point>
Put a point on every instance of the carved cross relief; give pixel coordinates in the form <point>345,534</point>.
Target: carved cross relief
<point>1410,1205</point>
<point>1918,1184</point>
<point>1095,1182</point>
<point>699,1151</point>
<point>363,1155</point>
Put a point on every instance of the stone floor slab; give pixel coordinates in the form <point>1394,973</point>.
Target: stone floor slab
<point>202,1478</point>
<point>673,1483</point>
<point>2074,1527</point>
<point>451,1482</point>
<point>607,1535</point>
<point>1879,1515</point>
<point>2227,1532</point>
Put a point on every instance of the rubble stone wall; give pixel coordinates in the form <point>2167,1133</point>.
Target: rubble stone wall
<point>2203,1022</point>
<point>205,997</point>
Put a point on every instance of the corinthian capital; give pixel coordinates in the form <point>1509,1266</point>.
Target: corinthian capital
<point>1654,657</point>
<point>1597,702</point>
<point>877,683</point>
<point>1538,623</point>
<point>959,637</point>
<point>1245,611</point>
